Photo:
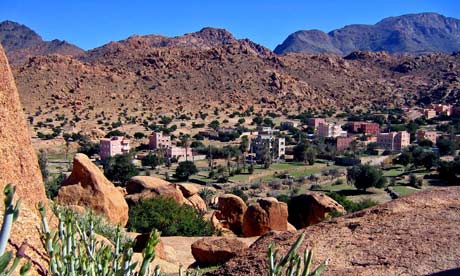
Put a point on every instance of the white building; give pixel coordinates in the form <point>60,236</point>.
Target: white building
<point>330,130</point>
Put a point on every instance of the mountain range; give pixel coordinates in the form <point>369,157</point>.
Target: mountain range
<point>20,43</point>
<point>211,71</point>
<point>411,33</point>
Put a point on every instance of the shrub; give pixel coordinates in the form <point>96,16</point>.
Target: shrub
<point>240,193</point>
<point>119,168</point>
<point>52,186</point>
<point>185,170</point>
<point>168,217</point>
<point>351,206</point>
<point>366,176</point>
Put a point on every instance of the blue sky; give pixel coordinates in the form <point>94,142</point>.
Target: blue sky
<point>92,23</point>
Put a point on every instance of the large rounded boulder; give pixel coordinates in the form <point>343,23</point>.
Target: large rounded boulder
<point>88,187</point>
<point>147,187</point>
<point>266,215</point>
<point>230,212</point>
<point>214,251</point>
<point>309,209</point>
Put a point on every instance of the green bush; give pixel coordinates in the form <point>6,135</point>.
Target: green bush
<point>168,217</point>
<point>351,206</point>
<point>185,170</point>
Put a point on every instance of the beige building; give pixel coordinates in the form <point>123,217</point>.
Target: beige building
<point>330,130</point>
<point>394,141</point>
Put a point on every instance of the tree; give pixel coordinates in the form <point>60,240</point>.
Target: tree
<point>139,135</point>
<point>185,170</point>
<point>150,160</point>
<point>115,132</point>
<point>43,164</point>
<point>445,146</point>
<point>449,171</point>
<point>214,124</point>
<point>185,141</point>
<point>87,147</point>
<point>366,176</point>
<point>120,168</point>
<point>304,153</point>
<point>310,156</point>
<point>425,143</point>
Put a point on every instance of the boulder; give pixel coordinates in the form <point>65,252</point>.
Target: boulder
<point>214,251</point>
<point>140,241</point>
<point>266,215</point>
<point>88,187</point>
<point>414,235</point>
<point>309,209</point>
<point>19,166</point>
<point>231,211</point>
<point>196,202</point>
<point>188,190</point>
<point>145,187</point>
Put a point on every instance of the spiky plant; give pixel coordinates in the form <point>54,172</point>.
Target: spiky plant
<point>75,250</point>
<point>10,215</point>
<point>292,264</point>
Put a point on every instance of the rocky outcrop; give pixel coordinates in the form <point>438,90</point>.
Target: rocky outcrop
<point>230,212</point>
<point>196,202</point>
<point>413,235</point>
<point>309,209</point>
<point>266,215</point>
<point>214,251</point>
<point>145,187</point>
<point>19,165</point>
<point>88,187</point>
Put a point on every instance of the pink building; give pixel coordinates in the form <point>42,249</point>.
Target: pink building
<point>394,141</point>
<point>115,145</point>
<point>159,140</point>
<point>443,109</point>
<point>314,122</point>
<point>178,152</point>
<point>342,143</point>
<point>330,130</point>
<point>365,127</point>
<point>429,113</point>
<point>427,135</point>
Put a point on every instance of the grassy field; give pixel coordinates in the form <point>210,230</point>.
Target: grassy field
<point>404,190</point>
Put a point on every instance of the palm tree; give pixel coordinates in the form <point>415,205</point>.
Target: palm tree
<point>185,141</point>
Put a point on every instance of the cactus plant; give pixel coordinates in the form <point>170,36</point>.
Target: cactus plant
<point>73,249</point>
<point>291,263</point>
<point>10,215</point>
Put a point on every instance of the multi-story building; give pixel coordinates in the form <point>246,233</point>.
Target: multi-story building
<point>330,130</point>
<point>268,144</point>
<point>394,141</point>
<point>365,128</point>
<point>314,122</point>
<point>429,113</point>
<point>442,109</point>
<point>115,145</point>
<point>427,135</point>
<point>178,152</point>
<point>159,140</point>
<point>342,143</point>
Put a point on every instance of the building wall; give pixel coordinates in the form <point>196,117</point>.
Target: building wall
<point>428,135</point>
<point>314,122</point>
<point>159,140</point>
<point>109,147</point>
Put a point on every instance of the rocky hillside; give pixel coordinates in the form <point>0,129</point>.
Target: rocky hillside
<point>20,43</point>
<point>412,33</point>
<point>212,69</point>
<point>19,166</point>
<point>414,235</point>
